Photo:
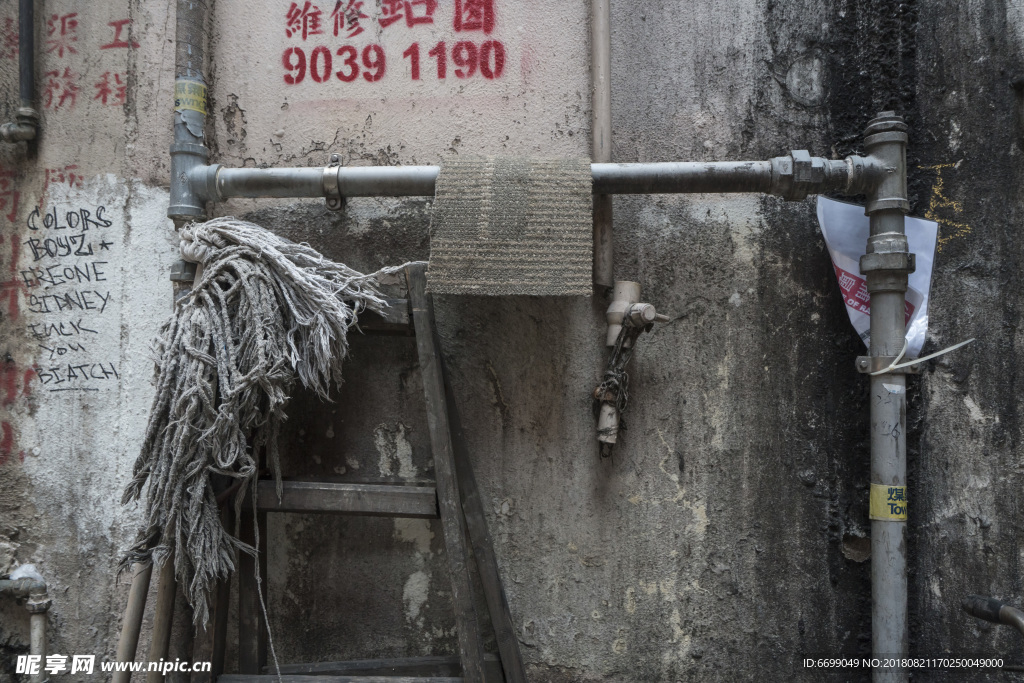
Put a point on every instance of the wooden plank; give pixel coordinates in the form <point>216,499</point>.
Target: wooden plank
<point>252,637</point>
<point>483,546</point>
<point>453,525</point>
<point>299,678</point>
<point>163,617</point>
<point>382,500</point>
<point>446,665</point>
<point>131,625</point>
<point>395,319</point>
<point>223,607</point>
<point>203,643</point>
<point>209,644</point>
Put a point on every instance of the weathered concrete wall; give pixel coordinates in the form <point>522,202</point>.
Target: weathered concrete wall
<point>727,535</point>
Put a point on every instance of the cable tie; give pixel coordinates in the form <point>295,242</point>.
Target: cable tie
<point>896,365</point>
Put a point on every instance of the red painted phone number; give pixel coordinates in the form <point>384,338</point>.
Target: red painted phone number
<point>467,57</point>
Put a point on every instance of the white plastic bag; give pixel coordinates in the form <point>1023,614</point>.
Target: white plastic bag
<point>846,230</point>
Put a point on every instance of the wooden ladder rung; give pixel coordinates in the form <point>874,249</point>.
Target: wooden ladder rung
<point>380,500</point>
<point>396,319</point>
<point>300,678</point>
<point>441,665</point>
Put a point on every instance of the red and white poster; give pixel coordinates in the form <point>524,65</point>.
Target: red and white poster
<point>846,229</point>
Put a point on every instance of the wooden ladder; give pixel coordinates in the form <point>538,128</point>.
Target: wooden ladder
<point>454,498</point>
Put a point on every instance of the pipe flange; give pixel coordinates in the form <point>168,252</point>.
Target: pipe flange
<point>901,262</point>
<point>868,364</point>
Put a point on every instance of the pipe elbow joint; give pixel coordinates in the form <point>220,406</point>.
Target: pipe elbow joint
<point>23,128</point>
<point>36,591</point>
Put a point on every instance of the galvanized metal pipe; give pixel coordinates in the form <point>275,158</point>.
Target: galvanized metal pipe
<point>38,604</point>
<point>601,104</point>
<point>26,124</point>
<point>37,642</point>
<point>189,149</point>
<point>26,51</point>
<point>685,176</point>
<point>792,177</point>
<point>886,266</point>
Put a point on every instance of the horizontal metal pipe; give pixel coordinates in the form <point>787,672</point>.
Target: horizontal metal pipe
<point>382,181</point>
<point>778,176</point>
<point>685,176</point>
<point>268,182</point>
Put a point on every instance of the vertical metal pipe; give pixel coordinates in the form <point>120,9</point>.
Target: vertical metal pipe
<point>601,101</point>
<point>886,266</point>
<point>26,51</point>
<point>189,148</point>
<point>37,643</point>
<point>26,123</point>
<point>131,626</point>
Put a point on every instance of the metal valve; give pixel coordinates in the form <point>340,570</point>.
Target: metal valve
<point>627,319</point>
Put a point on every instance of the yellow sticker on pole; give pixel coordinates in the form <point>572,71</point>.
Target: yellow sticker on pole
<point>189,95</point>
<point>888,503</point>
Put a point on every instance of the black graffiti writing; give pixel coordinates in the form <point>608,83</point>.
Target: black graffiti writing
<point>61,329</point>
<point>76,219</point>
<point>61,349</point>
<point>59,247</point>
<point>76,299</point>
<point>90,271</point>
<point>71,373</point>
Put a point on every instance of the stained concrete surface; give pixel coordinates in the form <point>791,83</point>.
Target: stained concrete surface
<point>726,537</point>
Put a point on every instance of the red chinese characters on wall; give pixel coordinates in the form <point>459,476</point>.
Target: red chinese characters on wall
<point>61,32</point>
<point>414,12</point>
<point>8,195</point>
<point>350,18</point>
<point>121,26</point>
<point>111,88</point>
<point>347,17</point>
<point>474,15</point>
<point>9,39</point>
<point>304,19</point>
<point>60,88</point>
<point>66,175</point>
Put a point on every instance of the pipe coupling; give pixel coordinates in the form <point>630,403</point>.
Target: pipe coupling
<point>799,174</point>
<point>203,180</point>
<point>38,604</point>
<point>900,262</point>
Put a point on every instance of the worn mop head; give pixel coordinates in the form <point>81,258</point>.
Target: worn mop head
<point>263,313</point>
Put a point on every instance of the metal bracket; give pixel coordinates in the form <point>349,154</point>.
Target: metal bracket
<point>869,364</point>
<point>332,192</point>
<point>183,271</point>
